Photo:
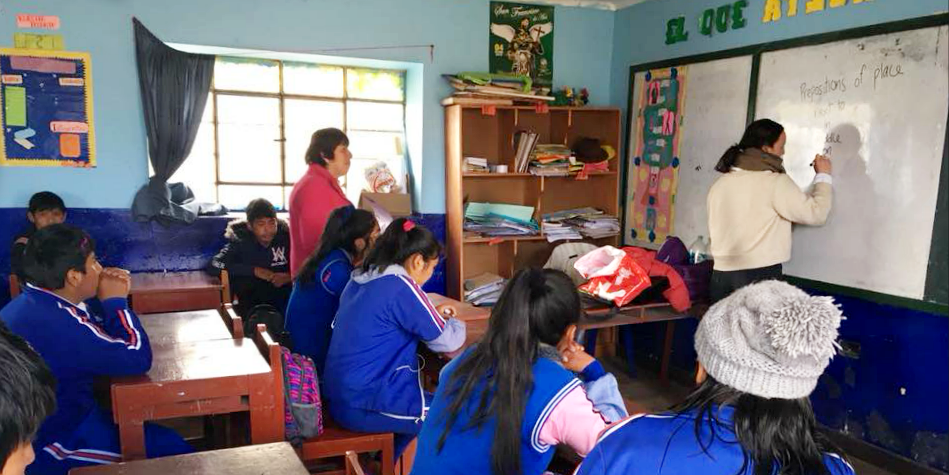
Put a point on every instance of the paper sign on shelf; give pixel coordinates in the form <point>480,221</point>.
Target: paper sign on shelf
<point>39,22</point>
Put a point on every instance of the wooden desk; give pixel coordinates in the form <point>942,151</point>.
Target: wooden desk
<point>638,314</point>
<point>156,292</point>
<point>278,458</point>
<point>184,327</point>
<point>197,378</point>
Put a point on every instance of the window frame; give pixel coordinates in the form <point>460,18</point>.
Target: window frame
<point>282,97</point>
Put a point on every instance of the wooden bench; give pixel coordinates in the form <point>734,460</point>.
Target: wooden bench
<point>14,286</point>
<point>250,460</point>
<point>334,441</point>
<point>233,321</point>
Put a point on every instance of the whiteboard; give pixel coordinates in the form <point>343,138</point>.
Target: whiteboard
<point>878,105</point>
<point>716,107</point>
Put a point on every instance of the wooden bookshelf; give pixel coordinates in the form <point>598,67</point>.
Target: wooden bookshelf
<point>473,131</point>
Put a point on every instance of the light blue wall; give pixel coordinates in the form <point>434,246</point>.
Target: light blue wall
<point>457,28</point>
<point>639,33</point>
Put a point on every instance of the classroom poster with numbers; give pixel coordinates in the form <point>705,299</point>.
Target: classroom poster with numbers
<point>654,171</point>
<point>46,109</point>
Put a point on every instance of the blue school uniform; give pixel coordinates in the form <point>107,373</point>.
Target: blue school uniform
<point>667,444</point>
<point>372,378</point>
<point>468,450</point>
<point>313,306</point>
<point>78,349</point>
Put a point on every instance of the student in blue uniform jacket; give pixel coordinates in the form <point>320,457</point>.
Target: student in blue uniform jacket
<point>763,349</point>
<point>372,381</point>
<point>61,272</point>
<point>27,396</point>
<point>347,238</point>
<point>504,404</point>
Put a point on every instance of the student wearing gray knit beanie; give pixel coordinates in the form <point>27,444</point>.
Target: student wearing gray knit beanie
<point>762,349</point>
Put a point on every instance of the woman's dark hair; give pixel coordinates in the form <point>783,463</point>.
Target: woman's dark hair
<point>396,245</point>
<point>27,395</point>
<point>323,143</point>
<point>344,226</point>
<point>762,132</point>
<point>535,307</point>
<point>53,251</point>
<point>777,436</point>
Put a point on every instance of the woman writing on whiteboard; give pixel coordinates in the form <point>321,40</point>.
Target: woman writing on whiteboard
<point>752,206</point>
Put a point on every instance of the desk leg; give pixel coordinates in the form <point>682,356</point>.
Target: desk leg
<point>266,425</point>
<point>667,352</point>
<point>132,440</point>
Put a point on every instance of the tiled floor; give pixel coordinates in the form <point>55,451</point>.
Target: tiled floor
<point>646,391</point>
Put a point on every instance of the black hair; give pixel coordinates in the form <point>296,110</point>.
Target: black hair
<point>535,307</point>
<point>27,395</point>
<point>344,226</point>
<point>53,251</point>
<point>777,436</point>
<point>396,245</point>
<point>46,200</point>
<point>259,208</point>
<point>323,143</point>
<point>762,132</point>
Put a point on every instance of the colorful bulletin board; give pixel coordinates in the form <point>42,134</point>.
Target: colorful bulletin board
<point>655,165</point>
<point>46,109</point>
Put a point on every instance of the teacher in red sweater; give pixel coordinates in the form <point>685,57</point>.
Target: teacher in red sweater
<point>317,193</point>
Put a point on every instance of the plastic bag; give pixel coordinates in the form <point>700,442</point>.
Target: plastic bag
<point>612,275</point>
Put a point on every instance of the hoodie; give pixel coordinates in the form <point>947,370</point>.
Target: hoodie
<point>242,254</point>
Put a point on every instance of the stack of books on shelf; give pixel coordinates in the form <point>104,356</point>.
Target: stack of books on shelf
<point>526,142</point>
<point>579,223</point>
<point>553,160</point>
<point>500,220</point>
<point>484,289</point>
<point>476,165</point>
<point>484,89</point>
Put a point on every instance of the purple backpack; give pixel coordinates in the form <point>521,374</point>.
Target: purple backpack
<point>303,409</point>
<point>696,276</point>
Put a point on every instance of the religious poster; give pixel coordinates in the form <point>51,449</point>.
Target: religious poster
<point>46,109</point>
<point>522,41</point>
<point>654,171</point>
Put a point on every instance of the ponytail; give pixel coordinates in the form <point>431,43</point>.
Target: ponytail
<point>402,240</point>
<point>760,133</point>
<point>344,226</point>
<point>535,307</point>
<point>728,159</point>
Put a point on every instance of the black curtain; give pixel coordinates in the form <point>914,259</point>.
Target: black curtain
<point>174,87</point>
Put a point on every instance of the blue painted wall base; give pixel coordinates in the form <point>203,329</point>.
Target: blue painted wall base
<point>149,247</point>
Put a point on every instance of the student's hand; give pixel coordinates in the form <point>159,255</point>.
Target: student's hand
<point>263,274</point>
<point>447,309</point>
<point>114,283</point>
<point>822,164</point>
<point>573,357</point>
<point>280,279</point>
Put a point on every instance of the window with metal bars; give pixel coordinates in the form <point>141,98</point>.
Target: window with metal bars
<point>260,116</point>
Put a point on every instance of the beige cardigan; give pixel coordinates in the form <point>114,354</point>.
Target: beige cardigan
<point>750,216</point>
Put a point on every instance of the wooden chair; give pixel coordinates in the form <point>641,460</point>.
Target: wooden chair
<point>226,297</point>
<point>233,321</point>
<point>335,441</point>
<point>14,286</point>
<point>352,464</point>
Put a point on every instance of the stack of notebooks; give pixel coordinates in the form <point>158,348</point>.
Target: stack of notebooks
<point>484,289</point>
<point>579,223</point>
<point>471,89</point>
<point>476,165</point>
<point>553,160</point>
<point>500,220</point>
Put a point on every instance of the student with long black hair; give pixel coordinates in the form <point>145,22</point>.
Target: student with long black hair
<point>345,242</point>
<point>505,403</point>
<point>372,381</point>
<point>763,350</point>
<point>752,206</point>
